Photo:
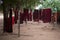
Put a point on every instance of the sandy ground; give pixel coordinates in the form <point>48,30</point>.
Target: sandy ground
<point>32,31</point>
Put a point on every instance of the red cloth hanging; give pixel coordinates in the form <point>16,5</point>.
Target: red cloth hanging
<point>16,15</point>
<point>35,15</point>
<point>26,14</point>
<point>13,21</point>
<point>21,18</point>
<point>8,27</point>
<point>30,15</point>
<point>9,20</point>
<point>46,15</point>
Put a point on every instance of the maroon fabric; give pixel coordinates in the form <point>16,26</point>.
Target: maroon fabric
<point>9,24</point>
<point>46,15</point>
<point>30,15</point>
<point>35,15</point>
<point>26,14</point>
<point>10,20</point>
<point>13,21</point>
<point>16,15</point>
<point>21,18</point>
<point>8,27</point>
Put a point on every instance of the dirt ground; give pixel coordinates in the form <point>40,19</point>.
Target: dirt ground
<point>32,31</point>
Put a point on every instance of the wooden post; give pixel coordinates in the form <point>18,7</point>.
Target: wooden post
<point>19,23</point>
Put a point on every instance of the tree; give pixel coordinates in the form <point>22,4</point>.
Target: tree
<point>53,4</point>
<point>8,4</point>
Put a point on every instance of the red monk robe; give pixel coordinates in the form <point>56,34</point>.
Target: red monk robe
<point>30,15</point>
<point>13,21</point>
<point>35,15</point>
<point>46,15</point>
<point>10,24</point>
<point>16,15</point>
<point>21,17</point>
<point>26,15</point>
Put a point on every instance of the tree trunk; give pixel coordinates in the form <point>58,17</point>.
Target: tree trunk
<point>5,17</point>
<point>7,24</point>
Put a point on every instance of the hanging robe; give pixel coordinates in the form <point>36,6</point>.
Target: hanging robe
<point>46,15</point>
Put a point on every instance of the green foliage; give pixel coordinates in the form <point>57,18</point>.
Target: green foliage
<point>29,3</point>
<point>22,3</point>
<point>53,4</point>
<point>1,8</point>
<point>10,2</point>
